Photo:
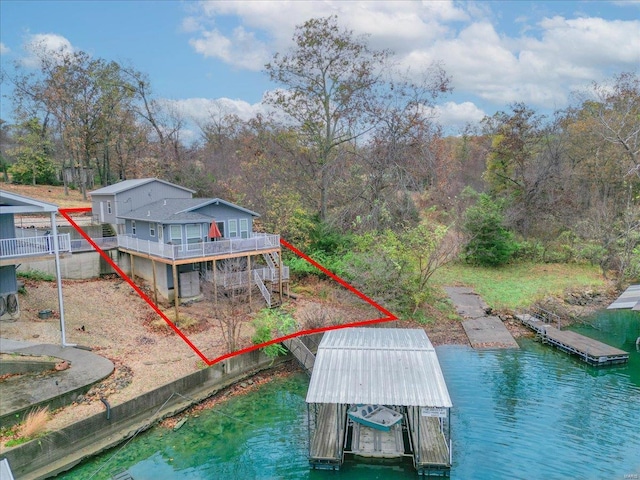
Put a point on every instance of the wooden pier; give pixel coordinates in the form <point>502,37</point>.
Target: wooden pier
<point>434,452</point>
<point>325,448</point>
<point>587,349</point>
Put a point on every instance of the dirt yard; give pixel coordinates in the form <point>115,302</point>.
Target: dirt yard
<point>112,320</point>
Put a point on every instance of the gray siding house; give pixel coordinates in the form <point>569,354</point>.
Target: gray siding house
<point>177,241</point>
<point>108,203</point>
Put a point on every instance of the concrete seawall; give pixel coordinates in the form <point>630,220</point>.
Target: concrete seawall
<point>60,450</point>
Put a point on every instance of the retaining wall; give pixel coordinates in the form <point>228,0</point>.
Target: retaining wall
<point>61,450</point>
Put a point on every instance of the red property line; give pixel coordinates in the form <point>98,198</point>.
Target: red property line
<point>389,316</point>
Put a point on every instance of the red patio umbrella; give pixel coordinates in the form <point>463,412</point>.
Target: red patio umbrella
<point>214,231</point>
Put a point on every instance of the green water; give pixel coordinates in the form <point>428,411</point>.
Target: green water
<point>533,413</point>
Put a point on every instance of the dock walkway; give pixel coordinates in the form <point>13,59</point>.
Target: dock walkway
<point>324,451</point>
<point>298,349</point>
<point>482,329</point>
<point>433,451</point>
<point>587,349</point>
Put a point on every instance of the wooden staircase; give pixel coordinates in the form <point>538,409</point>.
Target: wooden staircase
<point>107,230</point>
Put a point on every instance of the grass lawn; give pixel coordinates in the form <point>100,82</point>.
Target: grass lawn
<point>519,285</point>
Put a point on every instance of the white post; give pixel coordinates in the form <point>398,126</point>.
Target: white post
<point>56,251</point>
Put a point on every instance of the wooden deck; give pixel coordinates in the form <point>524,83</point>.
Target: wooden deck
<point>432,451</point>
<point>587,349</point>
<point>325,451</point>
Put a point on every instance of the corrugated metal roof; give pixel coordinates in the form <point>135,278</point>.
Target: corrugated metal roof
<point>384,366</point>
<point>128,184</point>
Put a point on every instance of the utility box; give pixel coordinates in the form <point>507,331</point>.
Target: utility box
<point>189,284</point>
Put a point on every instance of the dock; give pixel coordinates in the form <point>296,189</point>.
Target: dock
<point>482,329</point>
<point>392,367</point>
<point>587,349</point>
<point>325,445</point>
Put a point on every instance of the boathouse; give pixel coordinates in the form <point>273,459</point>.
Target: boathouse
<point>365,370</point>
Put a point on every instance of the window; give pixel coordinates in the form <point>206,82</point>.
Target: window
<point>194,235</point>
<point>109,207</point>
<point>175,234</point>
<point>133,227</point>
<point>233,228</point>
<point>152,229</point>
<point>244,228</point>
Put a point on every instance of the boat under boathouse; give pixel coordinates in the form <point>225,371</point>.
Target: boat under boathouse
<point>379,392</point>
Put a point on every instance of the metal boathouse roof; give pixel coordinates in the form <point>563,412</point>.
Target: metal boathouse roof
<point>384,366</point>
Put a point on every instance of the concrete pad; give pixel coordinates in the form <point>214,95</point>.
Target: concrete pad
<point>482,329</point>
<point>488,332</point>
<point>20,394</point>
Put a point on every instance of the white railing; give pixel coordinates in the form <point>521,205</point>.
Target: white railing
<point>33,246</point>
<point>263,289</point>
<point>237,279</point>
<point>83,245</point>
<point>258,242</point>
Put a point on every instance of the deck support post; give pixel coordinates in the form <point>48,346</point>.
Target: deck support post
<point>280,275</point>
<point>155,288</point>
<point>133,271</point>
<point>215,282</point>
<point>176,291</point>
<point>249,284</point>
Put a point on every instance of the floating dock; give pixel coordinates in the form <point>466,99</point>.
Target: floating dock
<point>587,349</point>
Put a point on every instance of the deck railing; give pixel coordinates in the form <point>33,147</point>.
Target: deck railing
<point>33,246</point>
<point>238,279</point>
<point>82,245</point>
<point>256,243</point>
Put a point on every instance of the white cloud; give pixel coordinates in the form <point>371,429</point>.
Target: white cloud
<point>455,116</point>
<point>539,62</point>
<point>200,110</point>
<point>44,43</point>
<point>240,49</point>
<point>397,25</point>
<point>4,50</point>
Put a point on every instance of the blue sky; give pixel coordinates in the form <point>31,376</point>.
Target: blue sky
<point>205,55</point>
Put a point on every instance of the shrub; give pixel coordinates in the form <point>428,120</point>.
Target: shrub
<point>37,275</point>
<point>270,324</point>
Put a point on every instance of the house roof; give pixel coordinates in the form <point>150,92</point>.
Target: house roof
<point>129,184</point>
<point>178,210</point>
<point>378,366</point>
<point>13,203</point>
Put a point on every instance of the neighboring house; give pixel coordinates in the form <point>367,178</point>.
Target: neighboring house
<point>20,244</point>
<point>182,241</point>
<point>108,203</point>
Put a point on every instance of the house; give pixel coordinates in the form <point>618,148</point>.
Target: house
<point>20,244</point>
<point>108,203</point>
<point>177,242</point>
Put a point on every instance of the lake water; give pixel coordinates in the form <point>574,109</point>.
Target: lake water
<point>533,413</point>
